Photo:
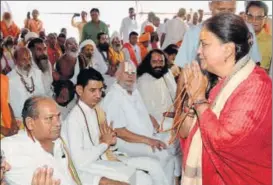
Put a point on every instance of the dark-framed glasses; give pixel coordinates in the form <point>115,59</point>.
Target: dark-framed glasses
<point>258,18</point>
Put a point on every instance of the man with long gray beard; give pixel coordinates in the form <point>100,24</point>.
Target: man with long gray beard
<point>115,53</point>
<point>40,58</point>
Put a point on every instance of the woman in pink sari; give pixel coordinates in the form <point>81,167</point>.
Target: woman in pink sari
<point>227,136</point>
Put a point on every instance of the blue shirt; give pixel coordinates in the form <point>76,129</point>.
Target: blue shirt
<point>188,50</point>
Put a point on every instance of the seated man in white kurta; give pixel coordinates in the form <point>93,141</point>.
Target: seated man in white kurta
<point>24,81</point>
<point>89,140</point>
<point>157,87</point>
<point>136,130</point>
<point>38,145</point>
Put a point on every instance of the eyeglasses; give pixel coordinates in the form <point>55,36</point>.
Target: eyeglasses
<point>257,18</point>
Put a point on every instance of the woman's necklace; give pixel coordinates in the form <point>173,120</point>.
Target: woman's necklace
<point>29,88</point>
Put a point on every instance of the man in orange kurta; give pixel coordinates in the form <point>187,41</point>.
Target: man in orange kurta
<point>34,24</point>
<point>8,27</point>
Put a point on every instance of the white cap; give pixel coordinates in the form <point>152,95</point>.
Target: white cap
<point>30,35</point>
<point>114,35</point>
<point>87,42</point>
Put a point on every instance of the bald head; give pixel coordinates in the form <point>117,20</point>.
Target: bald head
<point>221,6</point>
<point>22,56</point>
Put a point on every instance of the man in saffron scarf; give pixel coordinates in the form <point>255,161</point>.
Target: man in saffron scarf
<point>131,50</point>
<point>115,54</point>
<point>229,139</point>
<point>34,25</point>
<point>8,27</point>
<point>143,43</point>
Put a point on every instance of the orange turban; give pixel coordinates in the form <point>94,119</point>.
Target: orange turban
<point>144,37</point>
<point>149,29</point>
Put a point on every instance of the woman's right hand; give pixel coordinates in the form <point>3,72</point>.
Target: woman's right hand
<point>44,176</point>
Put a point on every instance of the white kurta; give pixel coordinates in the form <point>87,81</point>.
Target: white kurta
<point>100,65</point>
<point>158,96</point>
<point>128,111</point>
<point>89,155</point>
<point>76,72</point>
<point>161,29</point>
<point>127,56</point>
<point>25,156</point>
<point>47,79</point>
<point>127,26</point>
<point>18,92</point>
<point>175,30</point>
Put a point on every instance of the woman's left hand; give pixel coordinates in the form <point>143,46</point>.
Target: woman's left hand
<point>195,81</point>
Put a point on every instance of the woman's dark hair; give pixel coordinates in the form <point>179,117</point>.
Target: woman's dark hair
<point>61,84</point>
<point>229,27</point>
<point>146,67</point>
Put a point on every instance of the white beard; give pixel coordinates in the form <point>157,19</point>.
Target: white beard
<point>126,87</point>
<point>74,54</point>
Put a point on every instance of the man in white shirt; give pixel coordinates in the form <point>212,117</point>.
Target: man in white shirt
<point>160,29</point>
<point>157,86</point>
<point>149,21</point>
<point>175,29</point>
<point>137,131</point>
<point>128,25</point>
<point>90,140</point>
<point>41,62</point>
<point>24,81</point>
<point>131,50</point>
<point>39,145</point>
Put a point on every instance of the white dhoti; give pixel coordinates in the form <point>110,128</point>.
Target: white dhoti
<point>167,161</point>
